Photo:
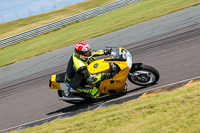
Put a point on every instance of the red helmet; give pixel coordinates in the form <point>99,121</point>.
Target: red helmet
<point>82,51</point>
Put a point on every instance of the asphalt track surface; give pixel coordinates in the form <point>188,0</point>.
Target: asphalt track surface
<point>176,55</point>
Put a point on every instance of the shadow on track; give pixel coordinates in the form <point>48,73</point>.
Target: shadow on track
<point>87,106</point>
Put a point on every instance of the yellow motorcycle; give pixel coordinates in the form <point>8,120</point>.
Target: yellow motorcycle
<point>120,64</point>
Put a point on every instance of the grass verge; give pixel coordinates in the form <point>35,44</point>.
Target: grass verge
<point>177,111</point>
<point>115,20</point>
<point>21,25</point>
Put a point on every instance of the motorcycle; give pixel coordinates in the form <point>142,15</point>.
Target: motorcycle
<point>120,64</point>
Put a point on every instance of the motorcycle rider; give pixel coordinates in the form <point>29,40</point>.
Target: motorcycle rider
<point>77,74</point>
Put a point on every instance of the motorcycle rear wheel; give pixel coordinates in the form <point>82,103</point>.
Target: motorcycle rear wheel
<point>144,76</point>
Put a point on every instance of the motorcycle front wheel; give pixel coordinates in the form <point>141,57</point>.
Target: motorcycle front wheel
<point>144,76</point>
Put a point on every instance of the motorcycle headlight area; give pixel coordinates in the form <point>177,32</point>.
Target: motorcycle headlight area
<point>119,54</point>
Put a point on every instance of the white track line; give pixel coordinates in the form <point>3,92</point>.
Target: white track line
<point>186,80</point>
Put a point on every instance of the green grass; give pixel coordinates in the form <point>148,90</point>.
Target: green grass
<point>176,112</point>
<point>115,20</point>
<point>21,25</point>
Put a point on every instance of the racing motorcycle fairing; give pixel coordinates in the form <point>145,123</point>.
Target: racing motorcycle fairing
<point>98,66</point>
<point>62,85</point>
<point>120,64</point>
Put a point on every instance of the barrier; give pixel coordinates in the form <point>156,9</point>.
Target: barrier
<point>63,22</point>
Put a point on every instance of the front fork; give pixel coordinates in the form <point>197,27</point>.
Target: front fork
<point>136,66</point>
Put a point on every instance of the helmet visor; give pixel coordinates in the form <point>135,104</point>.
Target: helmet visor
<point>85,53</point>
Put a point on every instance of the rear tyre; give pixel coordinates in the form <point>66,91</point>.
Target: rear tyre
<point>144,76</point>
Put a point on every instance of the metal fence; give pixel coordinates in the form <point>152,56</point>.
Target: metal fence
<point>63,22</point>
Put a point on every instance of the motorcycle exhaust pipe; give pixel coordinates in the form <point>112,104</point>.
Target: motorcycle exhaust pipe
<point>72,99</point>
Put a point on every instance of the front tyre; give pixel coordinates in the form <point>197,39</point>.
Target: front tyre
<point>143,76</point>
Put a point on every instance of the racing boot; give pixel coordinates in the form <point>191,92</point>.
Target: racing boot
<point>92,92</point>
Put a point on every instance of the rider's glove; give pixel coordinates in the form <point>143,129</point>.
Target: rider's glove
<point>105,76</point>
<point>107,51</point>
